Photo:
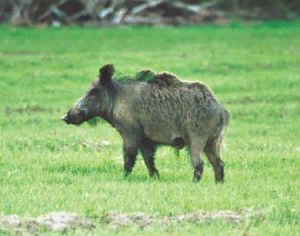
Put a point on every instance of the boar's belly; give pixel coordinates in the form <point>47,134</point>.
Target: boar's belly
<point>162,136</point>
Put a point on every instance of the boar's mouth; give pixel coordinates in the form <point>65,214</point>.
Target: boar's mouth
<point>75,119</point>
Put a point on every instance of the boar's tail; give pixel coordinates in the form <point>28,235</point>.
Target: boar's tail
<point>225,118</point>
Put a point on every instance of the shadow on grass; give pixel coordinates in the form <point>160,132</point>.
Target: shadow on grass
<point>111,172</point>
<point>82,170</point>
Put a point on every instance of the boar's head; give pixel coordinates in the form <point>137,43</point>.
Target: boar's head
<point>96,102</point>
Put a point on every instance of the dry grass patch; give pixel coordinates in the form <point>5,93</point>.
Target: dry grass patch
<point>64,222</point>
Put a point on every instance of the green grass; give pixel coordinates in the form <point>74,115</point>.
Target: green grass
<point>47,166</point>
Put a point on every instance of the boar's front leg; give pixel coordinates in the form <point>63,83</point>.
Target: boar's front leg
<point>148,148</point>
<point>130,153</point>
<point>131,139</point>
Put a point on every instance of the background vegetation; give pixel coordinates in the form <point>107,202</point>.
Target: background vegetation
<point>47,166</point>
<point>149,12</point>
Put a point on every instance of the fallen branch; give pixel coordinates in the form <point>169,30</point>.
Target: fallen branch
<point>53,9</point>
<point>196,8</point>
<point>119,16</point>
<point>143,7</point>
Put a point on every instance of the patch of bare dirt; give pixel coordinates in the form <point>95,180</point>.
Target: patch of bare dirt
<point>63,221</point>
<point>55,221</point>
<point>116,220</point>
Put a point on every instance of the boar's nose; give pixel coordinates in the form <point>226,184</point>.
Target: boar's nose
<point>65,119</point>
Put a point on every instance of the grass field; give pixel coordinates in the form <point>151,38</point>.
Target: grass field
<point>47,166</point>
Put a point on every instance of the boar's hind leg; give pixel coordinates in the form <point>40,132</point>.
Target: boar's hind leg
<point>212,151</point>
<point>148,148</point>
<point>195,149</point>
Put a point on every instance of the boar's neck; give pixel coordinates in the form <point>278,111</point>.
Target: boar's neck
<point>112,92</point>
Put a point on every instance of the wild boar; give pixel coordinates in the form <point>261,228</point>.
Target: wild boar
<point>156,109</point>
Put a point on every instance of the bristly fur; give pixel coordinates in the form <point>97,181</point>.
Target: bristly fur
<point>151,109</point>
<point>163,79</point>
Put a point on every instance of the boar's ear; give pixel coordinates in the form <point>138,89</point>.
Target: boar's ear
<point>106,73</point>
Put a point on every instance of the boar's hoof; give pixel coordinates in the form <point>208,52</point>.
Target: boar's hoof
<point>127,173</point>
<point>198,172</point>
<point>155,175</point>
<point>221,181</point>
<point>197,176</point>
<point>219,176</point>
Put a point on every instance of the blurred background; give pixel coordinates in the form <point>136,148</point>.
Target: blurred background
<point>144,12</point>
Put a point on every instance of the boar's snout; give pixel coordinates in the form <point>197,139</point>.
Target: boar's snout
<point>75,117</point>
<point>66,119</point>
